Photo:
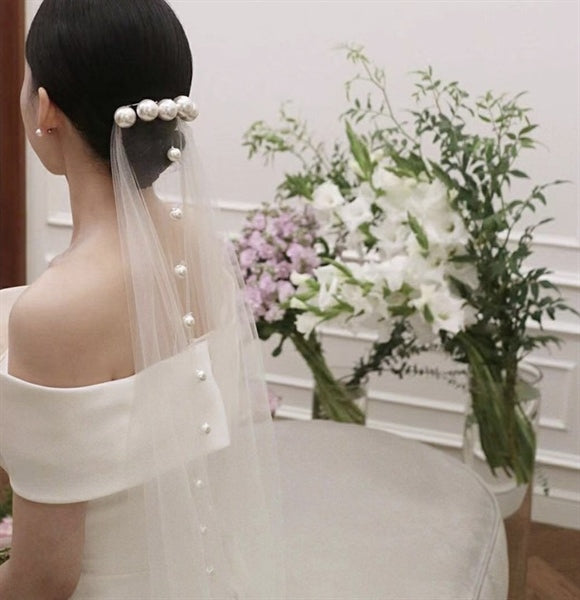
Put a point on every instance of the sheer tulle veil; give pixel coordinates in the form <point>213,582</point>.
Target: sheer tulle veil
<point>200,446</point>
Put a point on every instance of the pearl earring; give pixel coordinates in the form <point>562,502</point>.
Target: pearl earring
<point>38,132</point>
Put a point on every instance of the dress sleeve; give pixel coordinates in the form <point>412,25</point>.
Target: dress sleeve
<point>63,445</point>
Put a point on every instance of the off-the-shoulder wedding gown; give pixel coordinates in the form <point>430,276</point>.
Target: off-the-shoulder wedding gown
<point>63,445</point>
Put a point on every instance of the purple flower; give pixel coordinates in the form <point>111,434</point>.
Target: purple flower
<point>282,270</point>
<point>258,221</point>
<point>285,226</point>
<point>265,250</point>
<point>303,258</point>
<point>285,290</point>
<point>274,313</point>
<point>294,252</point>
<point>255,240</point>
<point>254,299</point>
<point>248,257</point>
<point>267,285</point>
<point>276,240</point>
<point>310,260</point>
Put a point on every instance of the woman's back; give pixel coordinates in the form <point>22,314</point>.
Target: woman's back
<point>71,326</point>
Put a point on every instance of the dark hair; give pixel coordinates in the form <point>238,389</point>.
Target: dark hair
<point>93,56</point>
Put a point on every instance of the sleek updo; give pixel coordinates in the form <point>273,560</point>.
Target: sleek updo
<point>93,56</point>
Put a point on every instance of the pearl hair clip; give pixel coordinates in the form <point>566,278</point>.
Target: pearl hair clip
<point>148,110</point>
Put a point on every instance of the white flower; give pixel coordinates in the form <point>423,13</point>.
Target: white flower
<point>449,314</point>
<point>422,330</point>
<point>430,199</point>
<point>366,191</point>
<point>384,330</point>
<point>465,272</point>
<point>394,271</point>
<point>377,155</point>
<point>306,322</point>
<point>327,292</point>
<point>441,223</point>
<point>355,168</point>
<point>299,278</point>
<point>391,234</point>
<point>296,303</point>
<point>325,274</point>
<point>353,295</point>
<point>397,190</point>
<point>326,197</point>
<point>445,310</point>
<point>384,179</point>
<point>355,213</point>
<point>328,279</point>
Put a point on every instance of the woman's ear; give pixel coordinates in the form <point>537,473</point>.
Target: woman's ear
<point>48,114</point>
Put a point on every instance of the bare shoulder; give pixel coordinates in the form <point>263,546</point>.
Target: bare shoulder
<point>69,328</point>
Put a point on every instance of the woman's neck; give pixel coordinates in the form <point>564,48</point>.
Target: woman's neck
<point>92,201</point>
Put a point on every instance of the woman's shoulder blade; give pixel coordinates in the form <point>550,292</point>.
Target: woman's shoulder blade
<point>63,330</point>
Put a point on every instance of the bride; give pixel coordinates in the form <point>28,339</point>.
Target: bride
<point>134,424</point>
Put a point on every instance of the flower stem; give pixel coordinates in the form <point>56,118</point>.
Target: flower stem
<point>332,398</point>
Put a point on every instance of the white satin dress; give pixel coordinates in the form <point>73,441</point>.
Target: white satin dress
<point>64,445</point>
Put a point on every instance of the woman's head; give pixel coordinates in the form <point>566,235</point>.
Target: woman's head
<point>92,56</point>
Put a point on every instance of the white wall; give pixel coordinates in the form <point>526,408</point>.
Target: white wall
<point>250,56</point>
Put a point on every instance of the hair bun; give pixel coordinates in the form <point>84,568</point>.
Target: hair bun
<point>146,144</point>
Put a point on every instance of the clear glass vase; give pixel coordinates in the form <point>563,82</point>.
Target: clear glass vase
<point>501,480</point>
<point>332,398</point>
<point>355,398</point>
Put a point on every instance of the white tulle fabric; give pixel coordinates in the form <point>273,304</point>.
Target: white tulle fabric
<point>210,494</point>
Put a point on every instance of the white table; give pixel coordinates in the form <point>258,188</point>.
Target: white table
<point>372,516</point>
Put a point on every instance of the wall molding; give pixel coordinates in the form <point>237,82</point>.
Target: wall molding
<point>567,279</point>
<point>551,240</point>
<point>60,219</point>
<point>423,403</point>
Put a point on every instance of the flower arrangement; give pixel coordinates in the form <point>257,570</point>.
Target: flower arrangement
<point>276,241</point>
<point>397,239</point>
<point>277,244</point>
<point>419,239</point>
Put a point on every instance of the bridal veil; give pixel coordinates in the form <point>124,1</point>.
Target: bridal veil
<point>209,487</point>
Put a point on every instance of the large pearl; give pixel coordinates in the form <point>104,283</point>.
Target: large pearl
<point>186,108</point>
<point>167,110</point>
<point>174,154</point>
<point>125,117</point>
<point>147,110</point>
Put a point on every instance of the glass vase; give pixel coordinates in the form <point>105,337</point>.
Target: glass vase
<point>327,396</point>
<point>507,475</point>
<point>332,398</point>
